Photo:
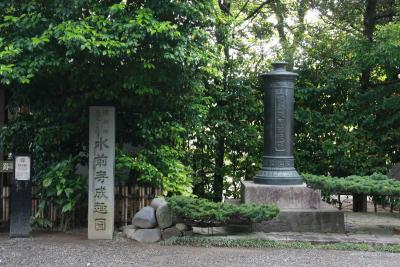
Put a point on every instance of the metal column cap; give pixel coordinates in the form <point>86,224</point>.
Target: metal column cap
<point>279,69</point>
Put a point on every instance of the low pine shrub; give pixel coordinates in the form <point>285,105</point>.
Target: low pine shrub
<point>200,210</point>
<point>376,184</point>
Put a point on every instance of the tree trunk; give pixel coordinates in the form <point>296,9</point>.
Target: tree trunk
<point>218,184</point>
<point>359,203</point>
<point>222,36</point>
<point>369,28</point>
<point>199,188</point>
<point>3,114</point>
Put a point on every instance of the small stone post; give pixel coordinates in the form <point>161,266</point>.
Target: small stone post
<point>278,161</point>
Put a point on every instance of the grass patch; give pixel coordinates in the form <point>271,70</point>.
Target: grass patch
<point>264,243</point>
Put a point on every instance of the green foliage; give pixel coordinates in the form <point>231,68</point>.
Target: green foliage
<point>203,210</point>
<point>265,243</point>
<point>62,186</point>
<point>237,242</point>
<point>375,184</point>
<point>149,59</point>
<point>227,148</point>
<point>162,168</point>
<point>347,105</point>
<point>183,76</point>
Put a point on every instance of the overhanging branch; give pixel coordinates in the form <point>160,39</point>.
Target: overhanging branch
<point>257,10</point>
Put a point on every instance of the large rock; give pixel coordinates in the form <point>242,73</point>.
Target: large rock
<point>147,235</point>
<point>170,232</point>
<point>164,216</point>
<point>145,218</point>
<point>158,202</point>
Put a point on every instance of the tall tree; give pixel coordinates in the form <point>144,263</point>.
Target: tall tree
<point>236,110</point>
<point>348,87</point>
<point>148,58</point>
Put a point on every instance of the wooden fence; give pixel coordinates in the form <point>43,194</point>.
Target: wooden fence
<point>128,200</point>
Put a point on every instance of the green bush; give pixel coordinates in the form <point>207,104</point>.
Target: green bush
<point>161,168</point>
<point>204,211</point>
<point>376,184</point>
<point>62,186</point>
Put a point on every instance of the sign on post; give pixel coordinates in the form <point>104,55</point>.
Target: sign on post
<point>21,197</point>
<point>22,168</point>
<point>101,172</point>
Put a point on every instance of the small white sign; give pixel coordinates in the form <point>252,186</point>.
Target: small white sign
<point>22,168</point>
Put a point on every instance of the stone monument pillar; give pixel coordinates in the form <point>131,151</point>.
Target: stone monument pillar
<point>101,172</point>
<point>278,182</point>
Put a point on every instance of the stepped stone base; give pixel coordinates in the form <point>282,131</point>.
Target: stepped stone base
<point>325,220</point>
<point>284,196</point>
<point>301,209</point>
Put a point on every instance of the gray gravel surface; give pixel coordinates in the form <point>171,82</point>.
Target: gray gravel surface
<point>75,250</point>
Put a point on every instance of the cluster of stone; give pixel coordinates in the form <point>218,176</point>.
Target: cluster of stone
<point>154,223</point>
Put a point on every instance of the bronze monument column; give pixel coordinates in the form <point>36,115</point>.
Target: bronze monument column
<point>278,161</point>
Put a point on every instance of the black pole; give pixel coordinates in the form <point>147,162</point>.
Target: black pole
<point>21,198</point>
<point>278,161</point>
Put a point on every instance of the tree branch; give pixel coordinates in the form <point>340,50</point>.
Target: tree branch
<point>255,11</point>
<point>388,14</point>
<point>330,20</point>
<point>241,10</point>
<point>385,83</point>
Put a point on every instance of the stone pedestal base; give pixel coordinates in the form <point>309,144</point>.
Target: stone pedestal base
<point>284,196</point>
<point>324,220</point>
<point>301,209</point>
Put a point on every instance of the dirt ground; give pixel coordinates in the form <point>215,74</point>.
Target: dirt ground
<point>73,249</point>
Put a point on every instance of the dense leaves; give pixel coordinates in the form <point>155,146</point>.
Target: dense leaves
<point>147,58</point>
<point>347,105</point>
<point>205,211</point>
<point>159,168</point>
<point>62,186</point>
<point>183,76</point>
<point>374,185</point>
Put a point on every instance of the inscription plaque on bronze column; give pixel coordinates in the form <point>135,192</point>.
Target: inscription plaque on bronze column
<point>278,161</point>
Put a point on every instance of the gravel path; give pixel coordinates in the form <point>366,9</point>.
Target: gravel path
<point>75,250</point>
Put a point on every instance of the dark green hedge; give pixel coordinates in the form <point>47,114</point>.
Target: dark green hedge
<point>376,184</point>
<point>205,211</point>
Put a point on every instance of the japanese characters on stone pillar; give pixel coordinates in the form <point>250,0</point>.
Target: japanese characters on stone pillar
<point>101,172</point>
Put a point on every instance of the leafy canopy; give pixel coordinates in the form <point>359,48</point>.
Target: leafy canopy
<point>147,58</point>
